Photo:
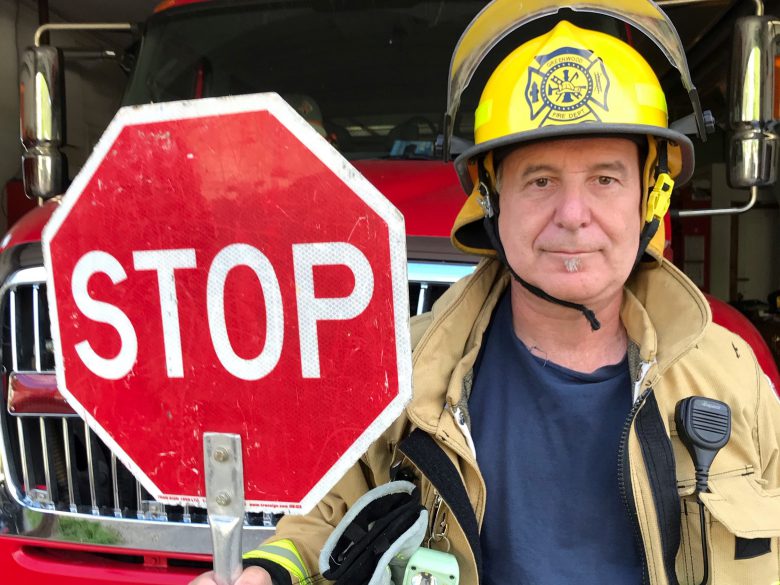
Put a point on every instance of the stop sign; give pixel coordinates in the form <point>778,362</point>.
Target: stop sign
<point>218,267</point>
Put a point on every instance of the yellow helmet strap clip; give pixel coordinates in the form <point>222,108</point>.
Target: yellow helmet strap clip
<point>490,223</point>
<point>661,194</point>
<point>658,200</point>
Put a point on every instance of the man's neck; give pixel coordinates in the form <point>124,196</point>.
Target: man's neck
<point>563,335</point>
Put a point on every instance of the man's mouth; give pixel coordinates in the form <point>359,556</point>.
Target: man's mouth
<point>570,252</point>
<point>571,258</point>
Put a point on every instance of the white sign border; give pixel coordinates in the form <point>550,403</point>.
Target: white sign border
<point>357,183</point>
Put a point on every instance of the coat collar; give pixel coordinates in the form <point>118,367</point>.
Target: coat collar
<point>663,312</point>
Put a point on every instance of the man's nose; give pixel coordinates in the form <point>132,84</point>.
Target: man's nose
<point>572,211</point>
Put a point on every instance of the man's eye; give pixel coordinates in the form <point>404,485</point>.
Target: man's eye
<point>606,180</point>
<point>541,182</point>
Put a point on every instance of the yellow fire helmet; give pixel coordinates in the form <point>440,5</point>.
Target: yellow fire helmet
<point>567,82</point>
<point>571,82</point>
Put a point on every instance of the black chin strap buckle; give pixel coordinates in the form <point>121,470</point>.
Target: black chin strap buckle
<point>488,197</point>
<point>485,201</point>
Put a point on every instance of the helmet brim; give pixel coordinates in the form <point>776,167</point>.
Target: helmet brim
<point>571,131</point>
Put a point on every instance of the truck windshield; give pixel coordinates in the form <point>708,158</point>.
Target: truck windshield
<point>371,77</point>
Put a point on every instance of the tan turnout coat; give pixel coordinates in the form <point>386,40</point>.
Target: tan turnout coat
<point>675,350</point>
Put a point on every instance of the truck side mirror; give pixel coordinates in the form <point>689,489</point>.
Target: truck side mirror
<point>41,88</point>
<point>753,148</point>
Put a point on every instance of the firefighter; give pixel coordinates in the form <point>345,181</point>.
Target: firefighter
<point>550,377</point>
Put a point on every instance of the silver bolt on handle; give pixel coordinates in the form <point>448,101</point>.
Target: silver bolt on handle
<point>225,502</point>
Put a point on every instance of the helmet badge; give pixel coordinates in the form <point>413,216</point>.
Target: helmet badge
<point>565,86</point>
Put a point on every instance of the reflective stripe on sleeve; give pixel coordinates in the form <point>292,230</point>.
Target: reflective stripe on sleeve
<point>283,553</point>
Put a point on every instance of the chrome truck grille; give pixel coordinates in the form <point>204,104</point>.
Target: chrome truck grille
<point>52,460</point>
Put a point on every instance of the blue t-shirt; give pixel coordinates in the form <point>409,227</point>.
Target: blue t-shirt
<point>547,445</point>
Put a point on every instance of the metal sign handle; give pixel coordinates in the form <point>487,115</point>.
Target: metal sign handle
<point>225,502</point>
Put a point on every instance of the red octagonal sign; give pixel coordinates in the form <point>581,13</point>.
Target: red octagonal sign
<point>218,267</point>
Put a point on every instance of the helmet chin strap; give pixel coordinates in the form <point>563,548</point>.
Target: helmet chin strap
<point>490,203</point>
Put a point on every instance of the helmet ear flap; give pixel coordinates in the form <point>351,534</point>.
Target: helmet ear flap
<point>648,174</point>
<point>468,232</point>
<point>655,249</point>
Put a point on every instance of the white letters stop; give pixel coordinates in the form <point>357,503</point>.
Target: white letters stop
<point>311,309</point>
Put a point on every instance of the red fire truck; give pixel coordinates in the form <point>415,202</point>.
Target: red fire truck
<point>371,77</point>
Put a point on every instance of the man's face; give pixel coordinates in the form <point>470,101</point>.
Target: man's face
<point>569,218</point>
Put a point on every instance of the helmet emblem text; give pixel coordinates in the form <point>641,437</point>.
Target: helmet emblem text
<point>565,85</point>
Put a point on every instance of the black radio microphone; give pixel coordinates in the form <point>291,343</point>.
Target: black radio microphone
<point>704,427</point>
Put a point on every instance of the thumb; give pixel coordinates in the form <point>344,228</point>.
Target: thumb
<point>254,576</point>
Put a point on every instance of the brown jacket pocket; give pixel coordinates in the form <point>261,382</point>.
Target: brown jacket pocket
<point>743,526</point>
